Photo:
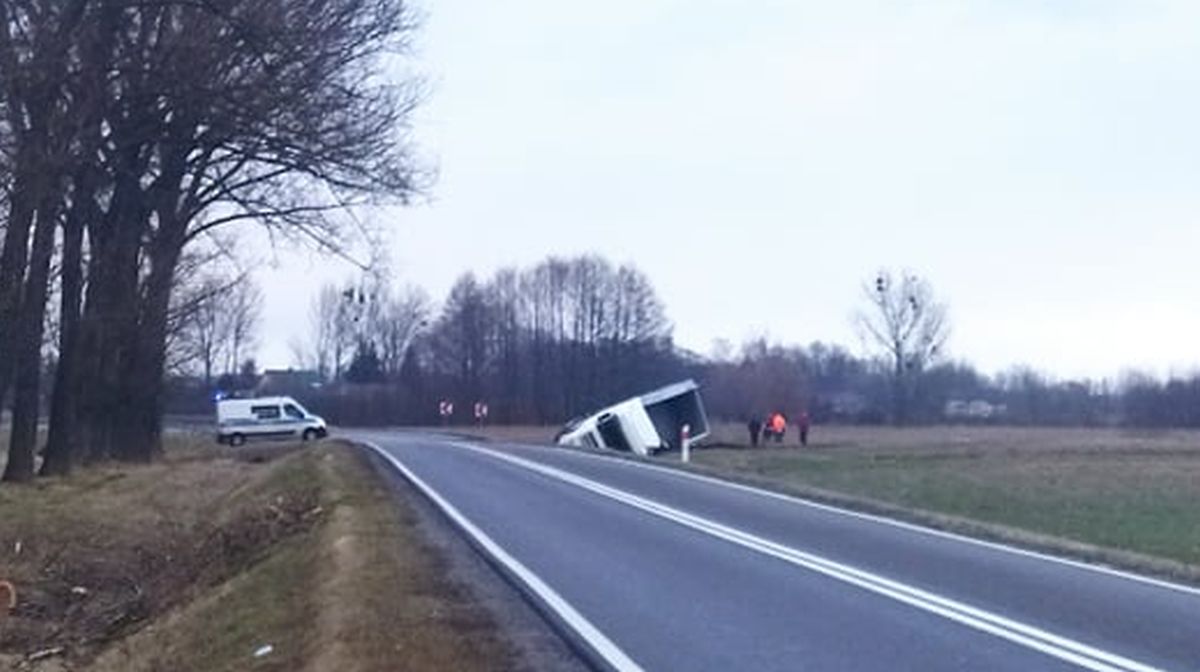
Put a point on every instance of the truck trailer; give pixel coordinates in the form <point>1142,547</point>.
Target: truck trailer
<point>645,425</point>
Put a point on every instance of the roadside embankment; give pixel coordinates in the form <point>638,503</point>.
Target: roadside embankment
<point>272,558</point>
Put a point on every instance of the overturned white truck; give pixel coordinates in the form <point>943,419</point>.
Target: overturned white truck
<point>643,425</point>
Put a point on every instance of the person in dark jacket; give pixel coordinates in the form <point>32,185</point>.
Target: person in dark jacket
<point>804,423</point>
<point>755,426</point>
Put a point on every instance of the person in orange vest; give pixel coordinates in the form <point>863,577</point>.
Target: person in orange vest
<point>778,426</point>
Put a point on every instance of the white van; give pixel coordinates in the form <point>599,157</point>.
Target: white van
<point>242,420</point>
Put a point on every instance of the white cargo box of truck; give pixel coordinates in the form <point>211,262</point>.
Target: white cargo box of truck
<point>643,425</point>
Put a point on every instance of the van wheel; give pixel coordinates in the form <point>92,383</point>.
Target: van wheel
<point>236,440</point>
<point>309,434</point>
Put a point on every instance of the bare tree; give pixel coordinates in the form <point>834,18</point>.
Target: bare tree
<point>331,329</point>
<point>463,337</point>
<point>908,327</point>
<point>197,340</point>
<point>218,321</point>
<point>401,316</point>
<point>141,127</point>
<point>240,314</point>
<point>554,339</point>
<point>137,128</point>
<point>639,314</point>
<point>509,308</point>
<point>37,147</point>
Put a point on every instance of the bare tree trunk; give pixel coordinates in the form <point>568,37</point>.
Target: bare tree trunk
<point>23,437</point>
<point>64,402</point>
<point>109,322</point>
<point>121,342</point>
<point>92,445</point>
<point>30,329</point>
<point>13,263</point>
<point>144,381</point>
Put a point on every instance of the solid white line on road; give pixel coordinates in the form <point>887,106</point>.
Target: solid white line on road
<point>597,640</point>
<point>1063,648</point>
<point>883,520</point>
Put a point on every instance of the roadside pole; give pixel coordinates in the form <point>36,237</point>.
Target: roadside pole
<point>685,442</point>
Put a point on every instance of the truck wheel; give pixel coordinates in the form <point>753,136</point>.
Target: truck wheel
<point>309,434</point>
<point>236,440</point>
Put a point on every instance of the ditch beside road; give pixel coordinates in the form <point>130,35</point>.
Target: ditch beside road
<point>275,557</point>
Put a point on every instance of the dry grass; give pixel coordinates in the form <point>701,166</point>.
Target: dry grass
<point>195,562</point>
<point>99,555</point>
<point>968,439</point>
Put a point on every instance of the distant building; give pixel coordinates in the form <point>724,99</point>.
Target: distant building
<point>287,382</point>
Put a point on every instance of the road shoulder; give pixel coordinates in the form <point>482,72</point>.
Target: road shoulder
<point>537,645</point>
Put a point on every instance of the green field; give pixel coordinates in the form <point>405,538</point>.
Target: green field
<point>1129,492</point>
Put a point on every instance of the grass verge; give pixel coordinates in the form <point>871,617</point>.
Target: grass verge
<point>296,559</point>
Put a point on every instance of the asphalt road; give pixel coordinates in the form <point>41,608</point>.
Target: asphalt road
<point>651,569</point>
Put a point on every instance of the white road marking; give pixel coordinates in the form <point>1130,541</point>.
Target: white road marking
<point>891,522</point>
<point>1063,648</point>
<point>597,640</point>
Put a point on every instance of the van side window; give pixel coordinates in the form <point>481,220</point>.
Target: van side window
<point>293,412</point>
<point>265,412</point>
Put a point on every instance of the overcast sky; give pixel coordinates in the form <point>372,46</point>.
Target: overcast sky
<point>1039,162</point>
